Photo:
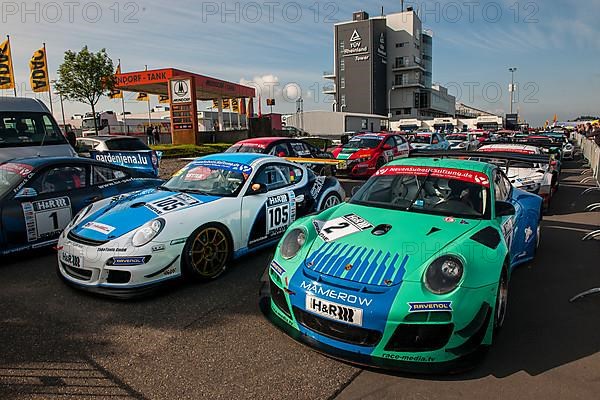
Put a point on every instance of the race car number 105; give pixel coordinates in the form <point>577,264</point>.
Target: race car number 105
<point>281,212</point>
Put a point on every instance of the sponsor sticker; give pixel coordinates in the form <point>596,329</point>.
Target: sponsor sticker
<point>46,218</point>
<point>343,226</point>
<point>98,227</point>
<point>278,269</point>
<point>430,306</point>
<point>16,168</point>
<point>225,165</point>
<point>281,212</point>
<point>173,203</point>
<point>128,261</point>
<point>334,311</point>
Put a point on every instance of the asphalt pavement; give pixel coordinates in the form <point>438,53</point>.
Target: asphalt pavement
<point>211,341</point>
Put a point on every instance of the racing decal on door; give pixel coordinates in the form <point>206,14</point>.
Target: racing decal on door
<point>273,218</point>
<point>46,218</point>
<point>173,203</point>
<point>508,228</point>
<point>343,226</point>
<point>281,212</point>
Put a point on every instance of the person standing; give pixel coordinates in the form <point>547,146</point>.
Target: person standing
<point>150,135</point>
<point>156,134</point>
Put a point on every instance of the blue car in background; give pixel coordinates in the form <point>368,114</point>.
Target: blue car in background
<point>39,196</point>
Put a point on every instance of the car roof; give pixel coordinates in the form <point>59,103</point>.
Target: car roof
<point>262,141</point>
<point>469,165</point>
<point>242,158</point>
<point>22,104</point>
<point>41,161</point>
<point>106,138</point>
<point>509,146</point>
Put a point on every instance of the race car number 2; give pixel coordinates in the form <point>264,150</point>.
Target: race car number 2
<point>281,212</point>
<point>343,226</point>
<point>46,218</point>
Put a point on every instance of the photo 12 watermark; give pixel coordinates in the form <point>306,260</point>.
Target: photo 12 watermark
<point>71,12</point>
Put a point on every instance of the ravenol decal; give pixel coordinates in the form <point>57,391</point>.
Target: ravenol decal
<point>278,269</point>
<point>333,294</point>
<point>430,306</point>
<point>128,261</point>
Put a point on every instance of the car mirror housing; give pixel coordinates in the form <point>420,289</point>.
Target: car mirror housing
<point>387,147</point>
<point>26,193</point>
<point>504,209</point>
<point>257,188</point>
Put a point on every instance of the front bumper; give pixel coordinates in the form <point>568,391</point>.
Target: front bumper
<point>118,269</point>
<point>358,170</point>
<point>467,329</point>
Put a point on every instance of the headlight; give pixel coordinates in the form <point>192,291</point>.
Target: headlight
<point>292,243</point>
<point>462,145</point>
<point>81,215</point>
<point>444,275</point>
<point>148,232</point>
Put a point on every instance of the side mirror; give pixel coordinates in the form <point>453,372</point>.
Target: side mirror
<point>387,147</point>
<point>26,193</point>
<point>504,209</point>
<point>345,139</point>
<point>257,188</point>
<point>281,154</point>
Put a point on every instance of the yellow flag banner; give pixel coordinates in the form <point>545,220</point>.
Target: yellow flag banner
<point>215,104</point>
<point>235,105</point>
<point>163,99</point>
<point>39,72</point>
<point>116,93</point>
<point>226,104</point>
<point>142,97</point>
<point>7,77</point>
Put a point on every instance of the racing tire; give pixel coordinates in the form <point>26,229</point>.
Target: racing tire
<point>501,301</point>
<point>206,253</point>
<point>330,200</point>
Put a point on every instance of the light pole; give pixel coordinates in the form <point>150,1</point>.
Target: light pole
<point>512,86</point>
<point>392,87</point>
<point>62,107</point>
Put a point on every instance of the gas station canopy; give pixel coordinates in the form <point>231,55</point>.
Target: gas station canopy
<point>156,81</point>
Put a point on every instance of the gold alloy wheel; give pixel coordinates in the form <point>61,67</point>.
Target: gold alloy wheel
<point>208,252</point>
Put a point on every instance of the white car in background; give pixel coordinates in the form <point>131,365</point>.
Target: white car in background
<point>463,141</point>
<point>537,177</point>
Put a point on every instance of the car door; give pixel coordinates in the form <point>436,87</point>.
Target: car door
<point>267,214</point>
<point>402,147</point>
<point>39,212</point>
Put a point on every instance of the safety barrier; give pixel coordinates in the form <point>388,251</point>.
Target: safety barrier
<point>591,152</point>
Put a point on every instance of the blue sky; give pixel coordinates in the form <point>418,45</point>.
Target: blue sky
<point>284,46</point>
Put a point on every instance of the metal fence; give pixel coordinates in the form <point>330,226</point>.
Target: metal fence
<point>591,152</point>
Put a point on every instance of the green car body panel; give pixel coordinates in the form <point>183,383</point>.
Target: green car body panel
<point>372,284</point>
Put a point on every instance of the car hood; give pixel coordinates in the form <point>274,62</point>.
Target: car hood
<point>126,213</point>
<point>351,153</point>
<point>365,258</point>
<point>420,145</point>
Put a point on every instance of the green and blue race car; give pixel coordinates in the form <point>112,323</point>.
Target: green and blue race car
<point>411,273</point>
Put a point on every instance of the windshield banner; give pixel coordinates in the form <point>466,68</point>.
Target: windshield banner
<point>224,165</point>
<point>145,160</point>
<point>478,178</point>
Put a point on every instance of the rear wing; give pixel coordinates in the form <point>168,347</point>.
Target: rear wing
<point>524,141</point>
<point>318,161</point>
<point>503,156</point>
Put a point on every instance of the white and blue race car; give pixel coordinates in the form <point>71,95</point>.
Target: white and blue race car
<point>215,209</point>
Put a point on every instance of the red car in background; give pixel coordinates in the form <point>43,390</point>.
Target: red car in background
<point>366,153</point>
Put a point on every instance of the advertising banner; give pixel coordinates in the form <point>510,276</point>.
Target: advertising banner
<point>146,161</point>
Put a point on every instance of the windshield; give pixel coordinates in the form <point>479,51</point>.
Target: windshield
<point>132,144</point>
<point>20,129</point>
<point>505,165</point>
<point>441,191</point>
<point>11,174</point>
<point>363,143</point>
<point>245,148</point>
<point>213,178</point>
<point>422,139</point>
<point>456,137</point>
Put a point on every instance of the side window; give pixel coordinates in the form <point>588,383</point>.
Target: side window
<point>278,176</point>
<point>400,140</point>
<point>435,139</point>
<point>102,175</point>
<point>50,127</point>
<point>502,186</point>
<point>300,149</point>
<point>60,179</point>
<point>280,150</point>
<point>391,141</point>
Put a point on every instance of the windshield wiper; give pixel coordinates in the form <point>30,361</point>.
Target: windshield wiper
<point>195,191</point>
<point>166,189</point>
<point>412,203</point>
